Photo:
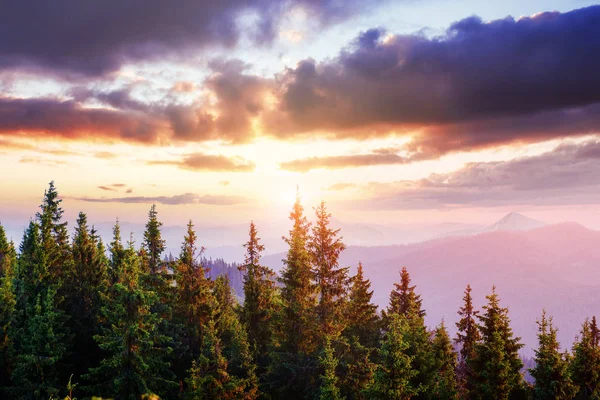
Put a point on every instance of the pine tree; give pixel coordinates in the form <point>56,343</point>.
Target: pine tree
<point>361,313</point>
<point>195,302</point>
<point>585,365</point>
<point>328,388</point>
<point>86,282</point>
<point>325,247</point>
<point>445,385</point>
<point>405,302</point>
<point>54,237</point>
<point>403,299</point>
<point>135,363</point>
<point>551,373</point>
<point>208,377</point>
<point>259,300</point>
<point>153,243</point>
<point>467,337</point>
<point>234,339</point>
<point>497,364</point>
<point>394,373</point>
<point>298,293</point>
<point>8,301</point>
<point>117,252</point>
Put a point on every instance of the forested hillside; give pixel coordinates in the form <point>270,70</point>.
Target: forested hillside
<point>122,320</point>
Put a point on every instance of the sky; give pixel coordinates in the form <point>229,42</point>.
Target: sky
<point>393,112</point>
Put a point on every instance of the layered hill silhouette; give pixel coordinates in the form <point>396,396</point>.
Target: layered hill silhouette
<point>556,267</point>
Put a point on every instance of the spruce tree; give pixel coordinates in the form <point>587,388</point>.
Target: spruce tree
<point>259,306</point>
<point>130,336</point>
<point>208,377</point>
<point>467,337</point>
<point>496,364</point>
<point>195,303</point>
<point>328,387</point>
<point>394,372</point>
<point>234,339</point>
<point>117,252</point>
<point>153,243</point>
<point>86,282</point>
<point>8,301</point>
<point>325,247</point>
<point>361,314</point>
<point>445,385</point>
<point>298,293</point>
<point>551,372</point>
<point>405,302</point>
<point>585,365</point>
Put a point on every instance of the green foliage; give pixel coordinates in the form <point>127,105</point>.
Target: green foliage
<point>153,243</point>
<point>135,363</point>
<point>497,364</point>
<point>328,387</point>
<point>260,305</point>
<point>445,385</point>
<point>467,337</point>
<point>325,247</point>
<point>394,373</point>
<point>551,373</point>
<point>585,365</point>
<point>7,302</point>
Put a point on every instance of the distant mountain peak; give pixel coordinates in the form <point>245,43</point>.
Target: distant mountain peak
<point>515,222</point>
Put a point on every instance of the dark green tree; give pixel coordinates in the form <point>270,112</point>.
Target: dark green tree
<point>8,260</point>
<point>496,364</point>
<point>445,385</point>
<point>361,314</point>
<point>585,365</point>
<point>325,247</point>
<point>260,305</point>
<point>135,364</point>
<point>195,302</point>
<point>298,293</point>
<point>208,377</point>
<point>403,299</point>
<point>467,337</point>
<point>551,371</point>
<point>328,387</point>
<point>153,243</point>
<point>394,372</point>
<point>117,252</point>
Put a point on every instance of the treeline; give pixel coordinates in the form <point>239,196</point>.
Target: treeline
<point>79,318</point>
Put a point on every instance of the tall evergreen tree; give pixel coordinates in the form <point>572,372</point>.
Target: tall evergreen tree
<point>8,301</point>
<point>117,252</point>
<point>328,388</point>
<point>298,293</point>
<point>585,365</point>
<point>497,364</point>
<point>467,337</point>
<point>325,247</point>
<point>259,300</point>
<point>86,282</point>
<point>130,336</point>
<point>153,244</point>
<point>234,339</point>
<point>405,302</point>
<point>551,372</point>
<point>195,302</point>
<point>208,377</point>
<point>445,386</point>
<point>361,314</point>
<point>394,373</point>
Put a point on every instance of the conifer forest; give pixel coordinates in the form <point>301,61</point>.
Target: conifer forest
<point>82,319</point>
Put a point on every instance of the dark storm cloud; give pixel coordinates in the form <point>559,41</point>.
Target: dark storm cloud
<point>91,38</point>
<point>186,198</point>
<point>570,174</point>
<point>210,163</point>
<point>483,83</point>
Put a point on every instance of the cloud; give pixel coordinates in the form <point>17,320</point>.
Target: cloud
<point>338,162</point>
<point>49,37</point>
<point>341,186</point>
<point>107,188</point>
<point>41,161</point>
<point>130,190</point>
<point>225,183</point>
<point>570,174</point>
<point>181,199</point>
<point>478,85</point>
<point>209,162</point>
